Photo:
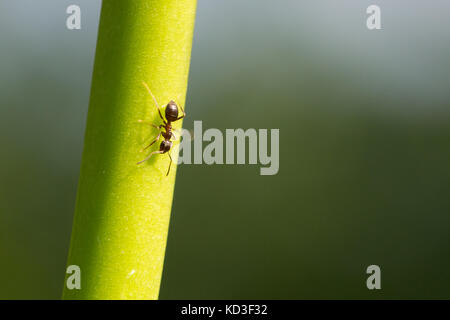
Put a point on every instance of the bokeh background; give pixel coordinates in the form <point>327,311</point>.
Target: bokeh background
<point>364,151</point>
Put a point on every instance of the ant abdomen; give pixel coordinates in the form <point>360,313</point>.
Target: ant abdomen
<point>172,111</point>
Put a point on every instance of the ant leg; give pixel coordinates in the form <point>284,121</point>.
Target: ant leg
<point>184,114</point>
<point>169,164</point>
<point>151,124</point>
<point>180,134</point>
<point>156,139</point>
<point>154,99</point>
<point>154,152</point>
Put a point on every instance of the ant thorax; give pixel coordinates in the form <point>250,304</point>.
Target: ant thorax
<point>168,134</point>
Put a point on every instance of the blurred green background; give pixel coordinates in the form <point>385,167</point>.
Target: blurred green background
<point>364,150</point>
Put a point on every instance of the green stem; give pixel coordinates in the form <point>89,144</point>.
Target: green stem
<point>123,209</point>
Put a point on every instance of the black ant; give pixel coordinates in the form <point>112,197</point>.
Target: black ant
<point>171,114</point>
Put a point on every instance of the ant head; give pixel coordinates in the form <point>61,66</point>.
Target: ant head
<point>171,111</point>
<point>165,146</point>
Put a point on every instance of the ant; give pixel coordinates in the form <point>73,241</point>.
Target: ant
<point>171,114</point>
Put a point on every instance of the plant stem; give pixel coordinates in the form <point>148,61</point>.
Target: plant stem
<point>123,209</point>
